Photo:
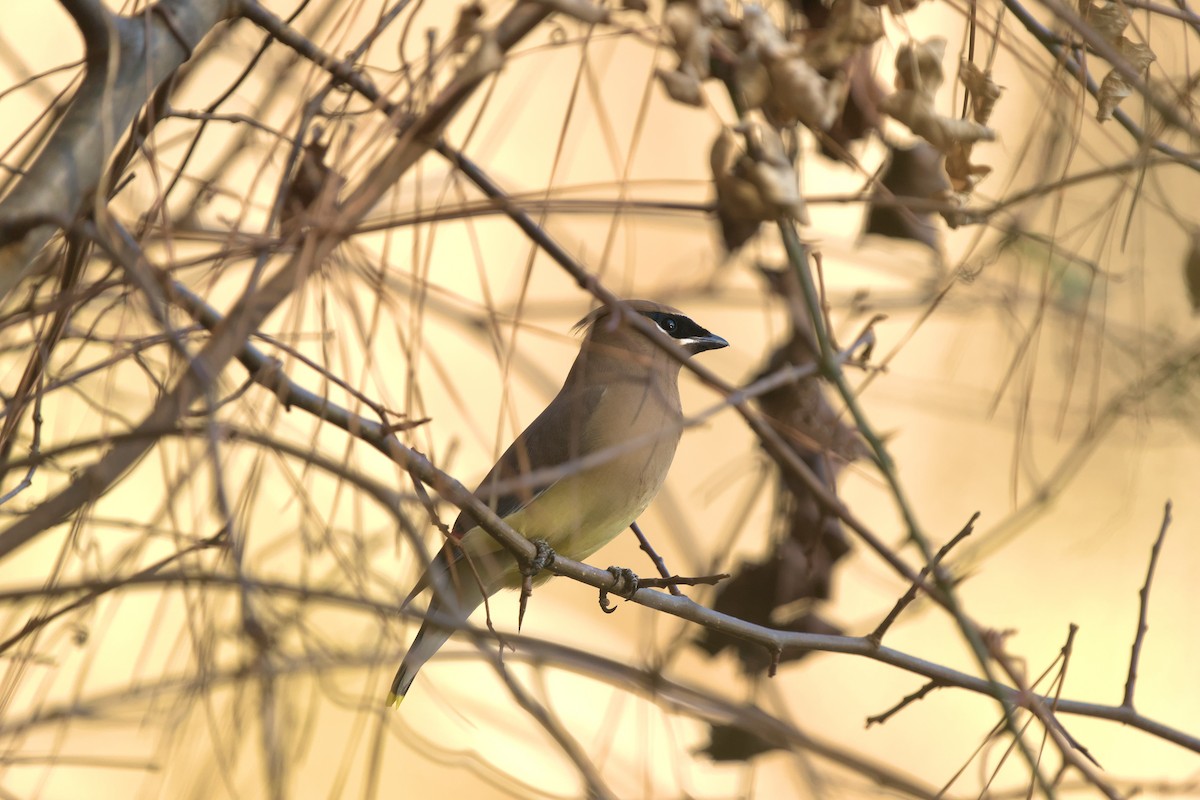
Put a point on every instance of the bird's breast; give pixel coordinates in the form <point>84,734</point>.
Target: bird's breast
<point>634,432</point>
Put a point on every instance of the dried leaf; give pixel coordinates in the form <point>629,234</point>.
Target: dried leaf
<point>681,87</point>
<point>964,175</point>
<point>731,743</point>
<point>1109,19</point>
<point>763,37</point>
<point>773,75</point>
<point>692,38</point>
<point>1191,270</point>
<point>852,26</point>
<point>919,66</point>
<point>314,185</point>
<point>487,58</point>
<point>860,113</point>
<point>983,90</point>
<point>752,595</point>
<point>916,110</point>
<point>1113,89</point>
<point>1139,55</point>
<point>800,94</point>
<point>635,5</point>
<point>755,184</point>
<point>913,172</point>
<point>752,79</point>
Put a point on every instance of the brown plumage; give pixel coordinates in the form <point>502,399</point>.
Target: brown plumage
<point>618,411</point>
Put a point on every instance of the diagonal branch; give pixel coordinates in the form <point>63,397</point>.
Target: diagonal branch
<point>123,68</point>
<point>254,306</point>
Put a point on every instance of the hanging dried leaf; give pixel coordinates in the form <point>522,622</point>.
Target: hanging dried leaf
<point>1108,19</point>
<point>781,590</point>
<point>1191,270</point>
<point>487,58</point>
<point>860,113</point>
<point>755,183</point>
<point>1113,89</point>
<point>772,74</point>
<point>763,38</point>
<point>916,111</point>
<point>983,90</point>
<point>964,175</point>
<point>752,595</point>
<point>919,66</point>
<point>314,187</point>
<point>731,743</point>
<point>918,75</point>
<point>913,172</point>
<point>1137,54</point>
<point>691,23</point>
<point>801,95</point>
<point>681,87</point>
<point>852,25</point>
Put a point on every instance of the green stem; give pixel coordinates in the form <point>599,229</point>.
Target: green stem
<point>831,369</point>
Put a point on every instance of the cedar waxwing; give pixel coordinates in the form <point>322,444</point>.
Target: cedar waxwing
<point>621,398</point>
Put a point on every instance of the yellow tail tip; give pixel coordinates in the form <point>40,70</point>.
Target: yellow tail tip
<point>394,700</point>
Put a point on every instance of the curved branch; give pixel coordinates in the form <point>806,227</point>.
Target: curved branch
<point>127,58</point>
<point>680,607</point>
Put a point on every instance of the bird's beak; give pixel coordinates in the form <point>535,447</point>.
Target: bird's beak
<point>698,344</point>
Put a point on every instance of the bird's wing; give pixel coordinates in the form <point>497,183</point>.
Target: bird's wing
<point>546,443</point>
<point>553,439</point>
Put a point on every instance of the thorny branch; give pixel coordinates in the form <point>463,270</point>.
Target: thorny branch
<point>1143,608</point>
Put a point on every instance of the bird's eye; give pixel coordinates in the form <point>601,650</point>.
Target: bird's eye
<point>670,325</point>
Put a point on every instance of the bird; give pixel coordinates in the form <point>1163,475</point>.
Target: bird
<point>620,405</point>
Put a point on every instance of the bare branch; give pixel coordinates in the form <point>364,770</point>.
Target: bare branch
<point>1143,608</point>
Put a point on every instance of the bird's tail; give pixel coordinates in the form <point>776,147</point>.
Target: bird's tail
<point>442,619</point>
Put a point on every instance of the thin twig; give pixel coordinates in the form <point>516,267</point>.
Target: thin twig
<point>879,719</point>
<point>678,580</point>
<point>877,634</point>
<point>1144,602</point>
<point>659,564</point>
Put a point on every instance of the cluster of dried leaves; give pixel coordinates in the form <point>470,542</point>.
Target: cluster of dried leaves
<point>1109,20</point>
<point>818,73</point>
<point>781,590</point>
<point>936,170</point>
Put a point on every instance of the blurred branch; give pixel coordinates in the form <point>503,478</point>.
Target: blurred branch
<point>677,606</point>
<point>832,370</point>
<point>127,59</point>
<point>1053,45</point>
<point>254,306</point>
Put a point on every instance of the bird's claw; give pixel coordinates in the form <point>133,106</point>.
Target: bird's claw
<point>543,558</point>
<point>625,585</point>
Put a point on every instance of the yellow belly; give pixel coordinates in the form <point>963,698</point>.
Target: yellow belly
<point>580,513</point>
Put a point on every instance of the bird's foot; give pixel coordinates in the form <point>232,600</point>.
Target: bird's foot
<point>543,558</point>
<point>625,584</point>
